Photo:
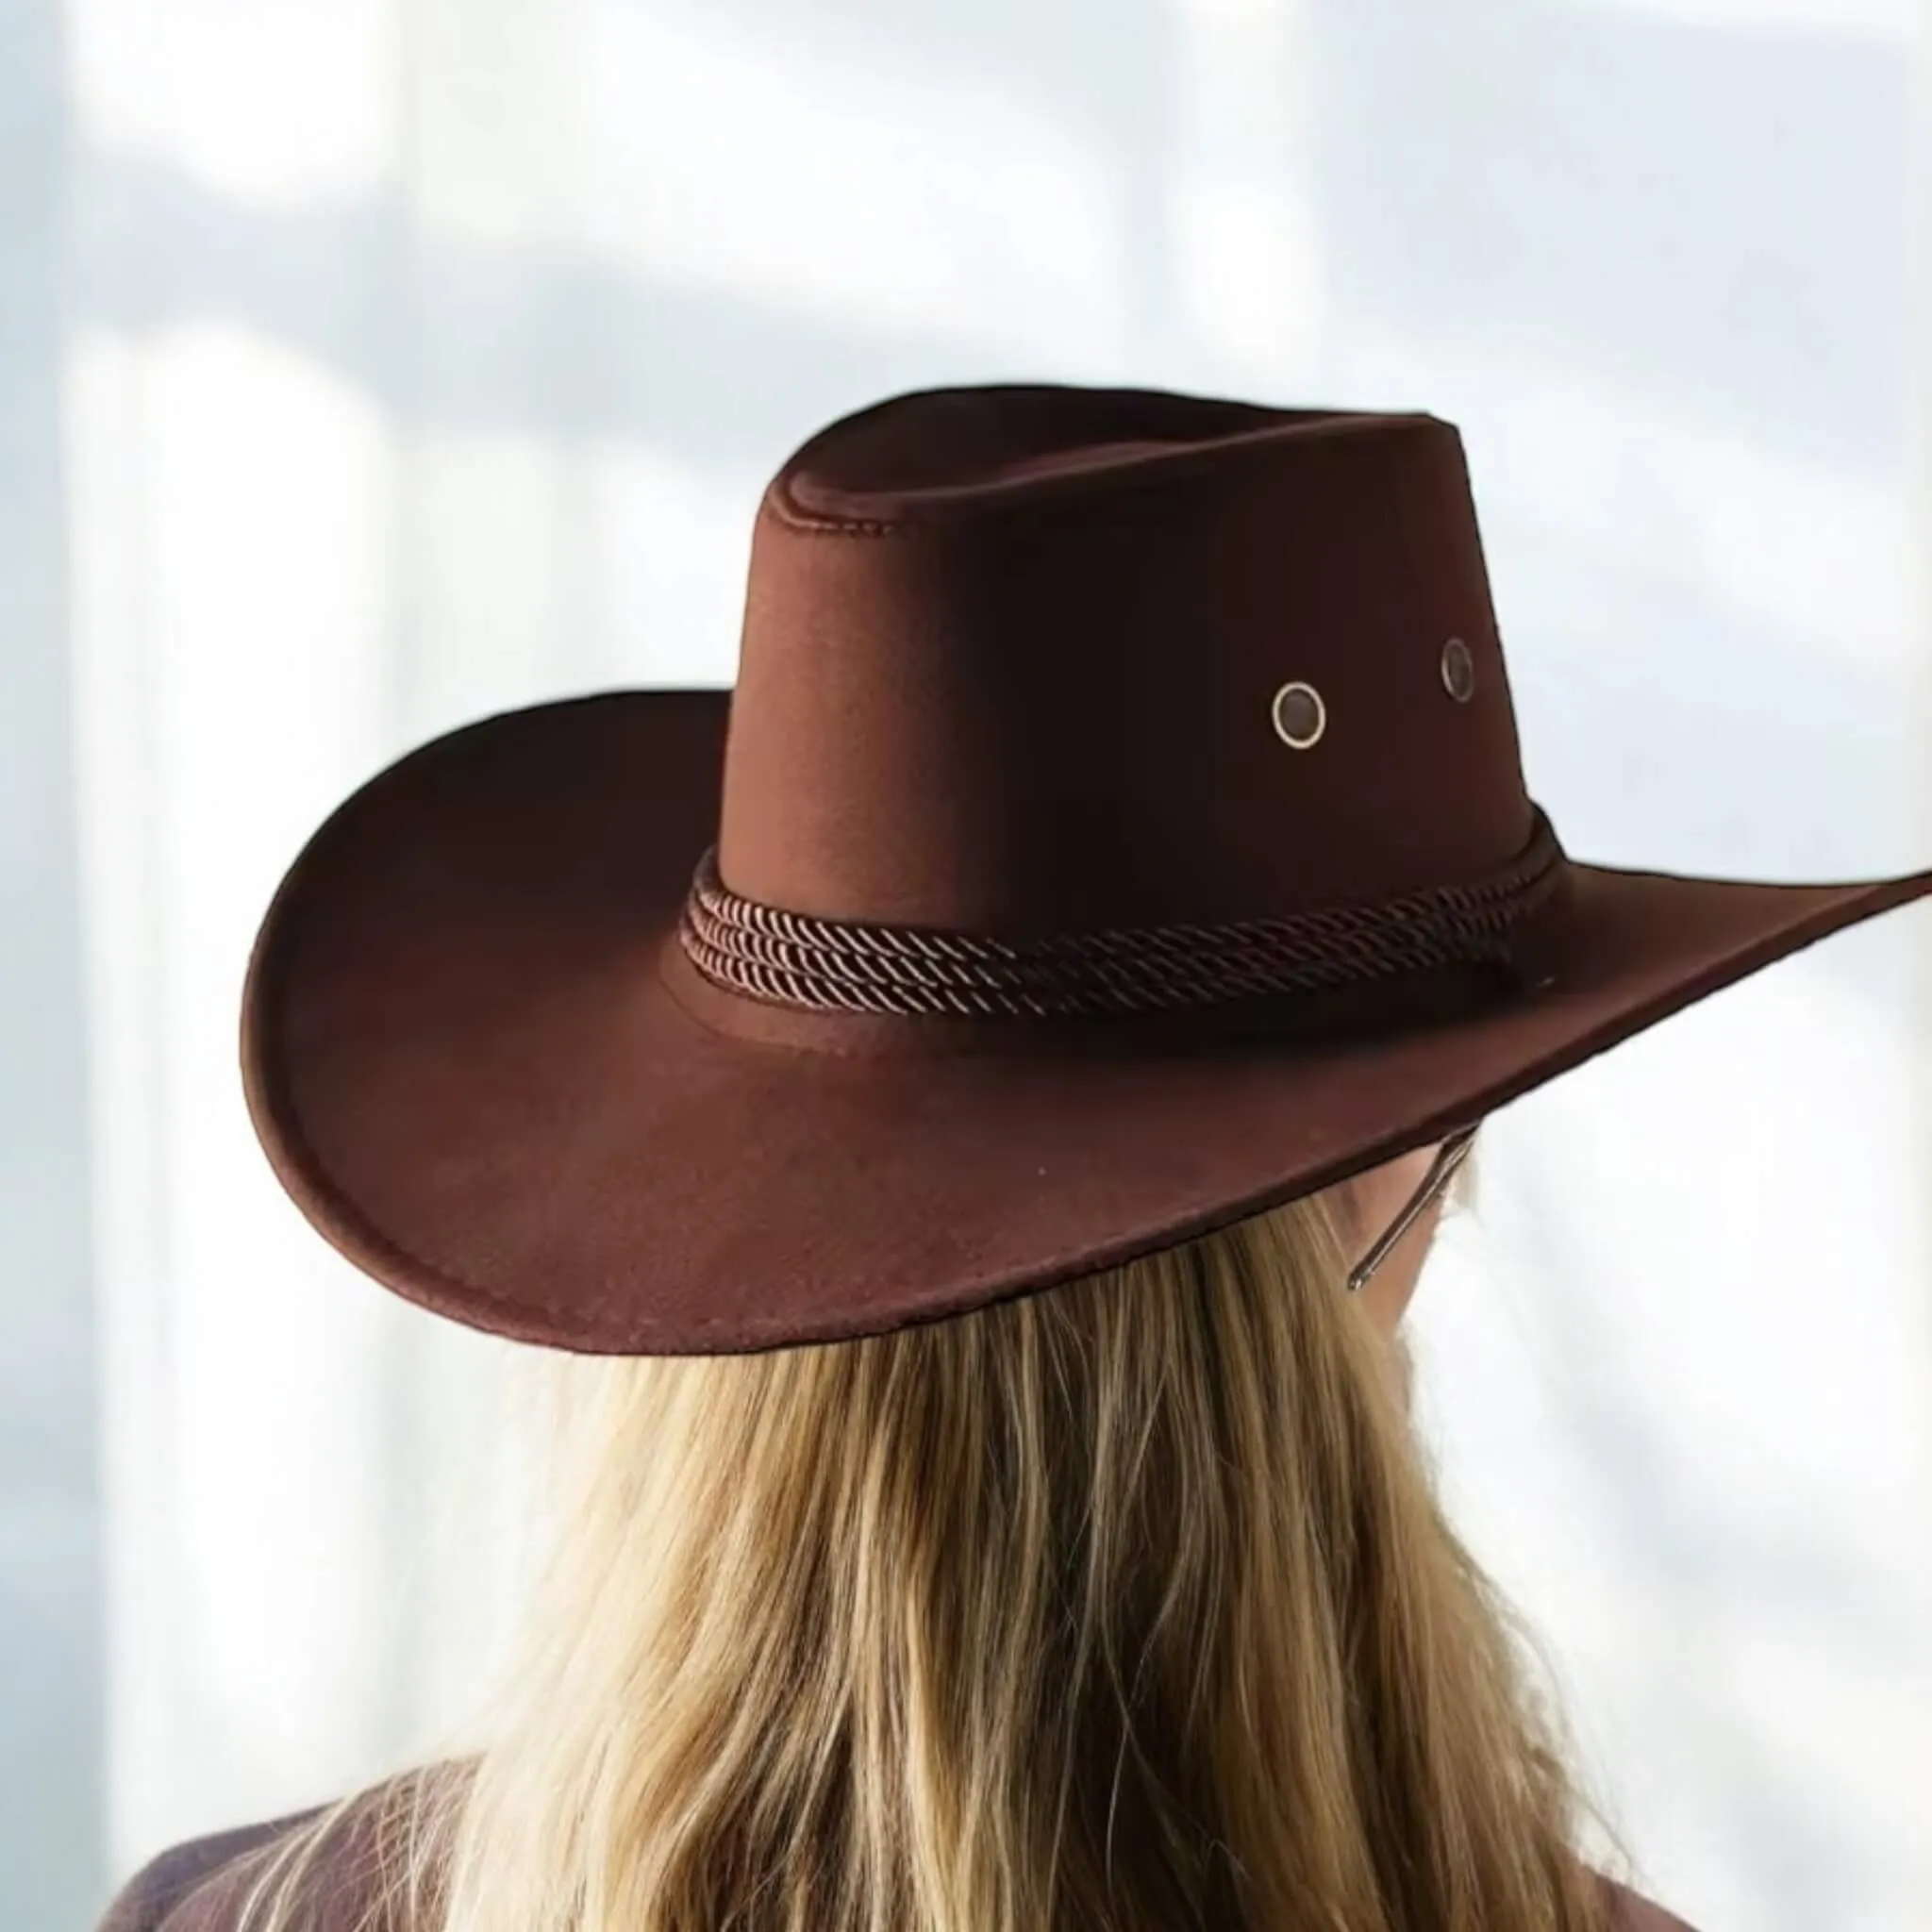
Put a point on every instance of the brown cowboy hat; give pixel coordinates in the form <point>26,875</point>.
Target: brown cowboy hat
<point>1117,828</point>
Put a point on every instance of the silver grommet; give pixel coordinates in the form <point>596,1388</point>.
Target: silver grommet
<point>1300,716</point>
<point>1458,671</point>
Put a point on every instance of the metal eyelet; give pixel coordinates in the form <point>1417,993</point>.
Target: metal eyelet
<point>1299,714</point>
<point>1458,671</point>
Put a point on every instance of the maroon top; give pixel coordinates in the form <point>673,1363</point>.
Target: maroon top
<point>198,1887</point>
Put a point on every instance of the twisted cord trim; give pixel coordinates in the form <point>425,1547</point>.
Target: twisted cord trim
<point>794,959</point>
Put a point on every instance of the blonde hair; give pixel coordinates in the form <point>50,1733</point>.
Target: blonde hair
<point>1123,1608</point>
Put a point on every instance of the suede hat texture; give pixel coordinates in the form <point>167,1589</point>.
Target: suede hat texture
<point>1118,828</point>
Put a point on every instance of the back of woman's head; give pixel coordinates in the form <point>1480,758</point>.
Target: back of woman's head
<point>1126,1605</point>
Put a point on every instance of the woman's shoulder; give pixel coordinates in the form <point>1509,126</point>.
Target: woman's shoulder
<point>202,1884</point>
<point>1630,1911</point>
<point>151,1899</point>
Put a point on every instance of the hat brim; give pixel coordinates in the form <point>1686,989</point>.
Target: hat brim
<point>468,1071</point>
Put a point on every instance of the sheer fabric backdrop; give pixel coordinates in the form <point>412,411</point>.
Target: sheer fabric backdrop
<point>420,357</point>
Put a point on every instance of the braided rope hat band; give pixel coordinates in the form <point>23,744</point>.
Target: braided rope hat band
<point>822,965</point>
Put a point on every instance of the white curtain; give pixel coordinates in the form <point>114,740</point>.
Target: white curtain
<point>421,358</point>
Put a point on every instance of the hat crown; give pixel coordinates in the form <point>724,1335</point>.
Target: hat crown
<point>1011,660</point>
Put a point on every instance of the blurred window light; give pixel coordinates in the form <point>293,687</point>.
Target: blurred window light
<point>831,180</point>
<point>1247,270</point>
<point>496,140</point>
<point>1732,1451</point>
<point>272,102</point>
<point>1811,553</point>
<point>241,499</point>
<point>1890,19</point>
<point>668,551</point>
<point>1237,13</point>
<point>1244,244</point>
<point>492,574</point>
<point>231,508</point>
<point>542,564</point>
